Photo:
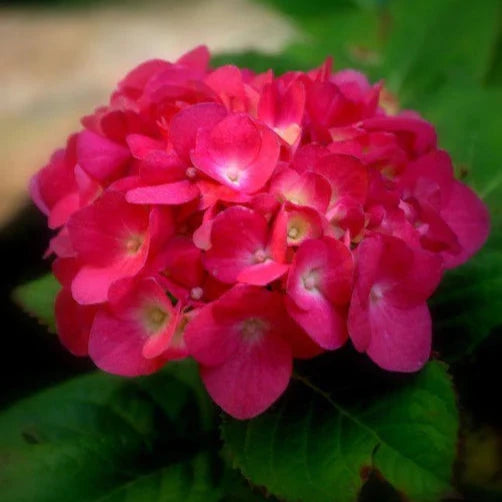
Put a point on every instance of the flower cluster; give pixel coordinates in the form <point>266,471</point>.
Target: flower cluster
<point>245,220</point>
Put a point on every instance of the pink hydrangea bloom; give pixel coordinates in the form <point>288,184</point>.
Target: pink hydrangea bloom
<point>246,220</point>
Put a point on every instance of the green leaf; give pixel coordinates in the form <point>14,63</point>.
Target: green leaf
<point>468,305</point>
<point>37,299</point>
<point>434,43</point>
<point>348,33</point>
<point>188,481</point>
<point>309,447</point>
<point>299,9</point>
<point>105,438</point>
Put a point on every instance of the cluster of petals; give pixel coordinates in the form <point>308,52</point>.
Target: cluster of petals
<point>246,220</point>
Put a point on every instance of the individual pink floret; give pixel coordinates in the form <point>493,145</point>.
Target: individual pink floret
<point>318,290</point>
<point>241,343</point>
<point>237,152</point>
<point>389,318</point>
<point>111,239</point>
<point>243,248</point>
<point>132,334</point>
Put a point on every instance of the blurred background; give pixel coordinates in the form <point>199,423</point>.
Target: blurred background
<point>59,59</point>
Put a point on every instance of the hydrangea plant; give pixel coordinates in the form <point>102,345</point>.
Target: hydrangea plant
<point>253,225</point>
<point>249,219</point>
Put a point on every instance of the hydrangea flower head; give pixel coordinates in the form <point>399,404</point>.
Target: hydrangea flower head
<point>246,220</point>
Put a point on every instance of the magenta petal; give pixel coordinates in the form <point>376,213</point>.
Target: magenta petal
<point>400,338</point>
<point>197,59</point>
<point>418,284</point>
<point>99,156</point>
<point>327,264</point>
<point>237,234</point>
<point>100,232</point>
<point>237,152</point>
<point>63,209</point>
<point>262,274</point>
<point>35,194</point>
<point>186,123</point>
<point>418,132</point>
<point>210,341</point>
<point>157,344</point>
<point>179,192</point>
<point>140,146</point>
<point>137,78</point>
<point>252,379</point>
<point>347,176</point>
<point>116,346</point>
<point>91,284</point>
<point>468,217</point>
<point>235,139</point>
<point>322,321</point>
<point>73,323</point>
<point>359,324</point>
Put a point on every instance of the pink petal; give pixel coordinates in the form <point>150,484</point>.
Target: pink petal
<point>309,189</point>
<point>36,195</point>
<point>101,233</point>
<point>241,342</point>
<point>73,322</point>
<point>358,322</point>
<point>176,193</point>
<point>129,337</point>
<point>63,209</point>
<point>197,59</point>
<point>325,323</point>
<point>91,284</point>
<point>88,188</point>
<point>186,123</point>
<point>400,338</point>
<point>347,176</point>
<point>162,167</point>
<point>380,257</point>
<point>293,104</point>
<point>250,381</point>
<point>429,176</point>
<point>278,243</point>
<point>139,76</point>
<point>157,344</point>
<point>202,235</point>
<point>418,134</point>
<point>234,140</point>
<point>181,261</point>
<point>140,145</point>
<point>281,108</point>
<point>237,153</point>
<point>227,82</point>
<point>262,274</point>
<point>237,235</point>
<point>211,341</point>
<point>116,346</point>
<point>99,156</point>
<point>303,223</point>
<point>318,287</point>
<point>468,217</point>
<point>307,156</point>
<point>419,282</point>
<point>61,245</point>
<point>328,265</point>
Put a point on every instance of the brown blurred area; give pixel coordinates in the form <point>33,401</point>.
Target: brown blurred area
<point>59,64</point>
